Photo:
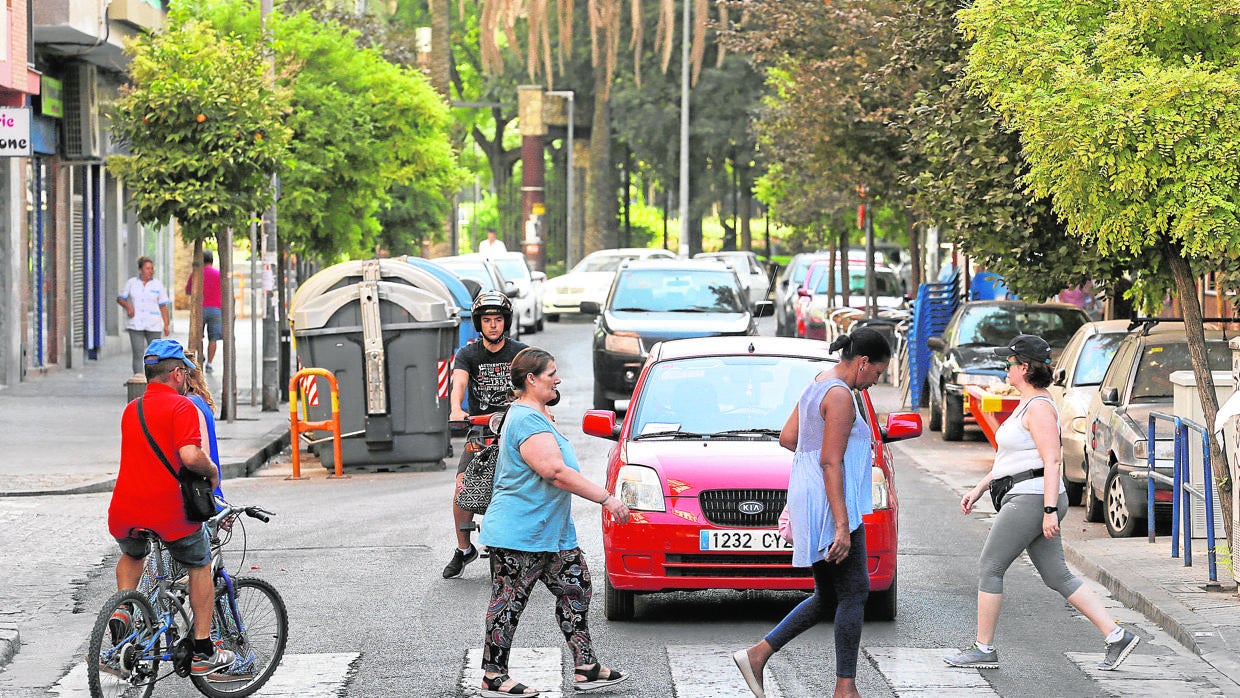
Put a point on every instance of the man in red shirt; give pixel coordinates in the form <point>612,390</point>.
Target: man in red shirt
<point>212,306</point>
<point>147,496</point>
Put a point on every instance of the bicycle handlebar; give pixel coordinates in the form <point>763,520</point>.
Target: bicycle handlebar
<point>227,510</point>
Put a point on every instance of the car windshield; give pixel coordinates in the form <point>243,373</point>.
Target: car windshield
<point>1096,356</point>
<point>610,262</point>
<point>996,325</point>
<point>1159,361</point>
<point>512,267</point>
<point>473,271</point>
<point>743,263</point>
<point>677,290</point>
<point>885,283</point>
<point>800,269</point>
<point>708,395</point>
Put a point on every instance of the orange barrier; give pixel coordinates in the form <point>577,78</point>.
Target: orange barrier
<point>989,409</point>
<point>297,425</point>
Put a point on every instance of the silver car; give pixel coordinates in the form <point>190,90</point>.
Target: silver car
<point>1078,373</point>
<point>752,274</point>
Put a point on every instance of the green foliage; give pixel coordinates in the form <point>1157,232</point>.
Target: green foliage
<point>203,132</point>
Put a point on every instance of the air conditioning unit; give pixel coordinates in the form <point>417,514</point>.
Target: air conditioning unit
<point>81,104</point>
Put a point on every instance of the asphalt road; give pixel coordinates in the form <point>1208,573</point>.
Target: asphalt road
<point>358,562</point>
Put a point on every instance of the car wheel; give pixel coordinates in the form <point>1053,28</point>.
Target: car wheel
<point>1093,505</point>
<point>1120,521</point>
<point>617,604</point>
<point>953,417</point>
<point>1075,489</point>
<point>936,415</point>
<point>541,324</point>
<point>882,604</point>
<point>553,317</point>
<point>601,401</point>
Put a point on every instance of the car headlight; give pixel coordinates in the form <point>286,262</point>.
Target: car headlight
<point>982,379</point>
<point>1164,449</point>
<point>639,488</point>
<point>878,489</point>
<point>623,343</point>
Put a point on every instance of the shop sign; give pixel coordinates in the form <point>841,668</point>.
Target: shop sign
<point>15,132</point>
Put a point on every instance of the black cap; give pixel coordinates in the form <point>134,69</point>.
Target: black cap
<point>1028,346</point>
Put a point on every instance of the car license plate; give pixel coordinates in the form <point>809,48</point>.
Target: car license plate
<point>744,539</point>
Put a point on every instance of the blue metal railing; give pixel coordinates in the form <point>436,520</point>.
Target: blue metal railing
<point>1182,493</point>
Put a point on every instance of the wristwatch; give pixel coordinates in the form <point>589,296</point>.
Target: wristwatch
<point>1050,510</point>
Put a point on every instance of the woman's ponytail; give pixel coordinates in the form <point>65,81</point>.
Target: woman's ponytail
<point>862,342</point>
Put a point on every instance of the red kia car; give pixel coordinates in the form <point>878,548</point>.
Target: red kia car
<point>697,459</point>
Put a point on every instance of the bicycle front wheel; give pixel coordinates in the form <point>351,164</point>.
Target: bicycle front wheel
<point>116,663</point>
<point>257,632</point>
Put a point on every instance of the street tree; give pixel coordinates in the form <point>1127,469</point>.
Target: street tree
<point>203,134</point>
<point>1130,122</point>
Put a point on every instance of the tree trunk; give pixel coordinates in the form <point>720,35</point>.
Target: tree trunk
<point>195,306</point>
<point>1186,285</point>
<point>746,210</point>
<point>441,47</point>
<point>601,201</point>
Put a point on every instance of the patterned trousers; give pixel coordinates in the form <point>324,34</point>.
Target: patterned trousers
<point>513,574</point>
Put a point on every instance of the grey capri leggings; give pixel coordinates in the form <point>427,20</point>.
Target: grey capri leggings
<point>1017,527</point>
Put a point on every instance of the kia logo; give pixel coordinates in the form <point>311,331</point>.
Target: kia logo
<point>751,507</point>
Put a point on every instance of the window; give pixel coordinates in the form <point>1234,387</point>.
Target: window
<point>1096,356</point>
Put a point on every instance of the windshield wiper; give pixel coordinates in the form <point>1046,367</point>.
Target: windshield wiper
<point>761,431</point>
<point>630,310</point>
<point>691,310</point>
<point>675,435</point>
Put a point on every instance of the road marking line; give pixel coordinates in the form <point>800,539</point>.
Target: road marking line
<point>921,671</point>
<point>308,675</point>
<point>1145,674</point>
<point>708,670</point>
<point>537,667</point>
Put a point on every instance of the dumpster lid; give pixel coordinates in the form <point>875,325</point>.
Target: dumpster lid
<point>422,305</point>
<point>396,271</point>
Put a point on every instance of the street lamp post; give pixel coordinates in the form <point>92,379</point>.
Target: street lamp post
<point>684,133</point>
<point>568,213</point>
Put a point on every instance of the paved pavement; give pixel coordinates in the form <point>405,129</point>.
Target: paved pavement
<point>59,435</point>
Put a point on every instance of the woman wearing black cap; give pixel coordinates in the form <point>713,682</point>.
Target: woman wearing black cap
<point>1028,464</point>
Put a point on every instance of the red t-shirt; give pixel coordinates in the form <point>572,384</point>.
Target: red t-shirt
<point>146,495</point>
<point>210,287</point>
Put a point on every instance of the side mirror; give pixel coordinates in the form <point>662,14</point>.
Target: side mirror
<point>1060,377</point>
<point>804,293</point>
<point>601,423</point>
<point>763,309</point>
<point>901,426</point>
<point>784,284</point>
<point>537,276</point>
<point>1110,396</point>
<point>590,308</point>
<point>936,343</point>
<point>512,290</point>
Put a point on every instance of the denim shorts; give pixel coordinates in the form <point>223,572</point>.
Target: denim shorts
<point>214,320</point>
<point>191,551</point>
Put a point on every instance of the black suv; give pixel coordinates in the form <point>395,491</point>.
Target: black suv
<point>654,300</point>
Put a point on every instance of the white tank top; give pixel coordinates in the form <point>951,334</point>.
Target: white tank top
<point>1016,451</point>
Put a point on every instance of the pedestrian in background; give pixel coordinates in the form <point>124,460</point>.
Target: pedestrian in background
<point>529,531</point>
<point>1028,451</point>
<point>212,304</point>
<point>829,491</point>
<point>987,286</point>
<point>146,303</point>
<point>492,245</point>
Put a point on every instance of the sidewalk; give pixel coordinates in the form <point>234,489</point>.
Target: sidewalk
<point>1139,574</point>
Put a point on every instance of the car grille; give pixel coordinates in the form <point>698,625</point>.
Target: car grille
<point>722,507</point>
<point>734,565</point>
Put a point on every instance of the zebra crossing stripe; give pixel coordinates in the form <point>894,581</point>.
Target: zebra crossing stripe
<point>708,670</point>
<point>301,675</point>
<point>537,667</point>
<point>921,671</point>
<point>1145,675</point>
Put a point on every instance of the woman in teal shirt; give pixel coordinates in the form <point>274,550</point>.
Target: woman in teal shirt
<point>529,531</point>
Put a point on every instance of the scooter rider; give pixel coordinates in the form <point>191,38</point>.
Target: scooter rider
<point>483,367</point>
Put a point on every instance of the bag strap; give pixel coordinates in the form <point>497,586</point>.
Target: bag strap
<point>154,446</point>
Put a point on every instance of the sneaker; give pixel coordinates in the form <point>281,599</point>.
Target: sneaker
<point>120,625</point>
<point>1118,651</point>
<point>974,658</point>
<point>203,665</point>
<point>459,560</point>
<point>209,368</point>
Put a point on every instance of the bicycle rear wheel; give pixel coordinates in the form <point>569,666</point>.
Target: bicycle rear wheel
<point>262,613</point>
<point>115,662</point>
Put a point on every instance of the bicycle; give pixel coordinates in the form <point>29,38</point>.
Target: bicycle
<point>249,618</point>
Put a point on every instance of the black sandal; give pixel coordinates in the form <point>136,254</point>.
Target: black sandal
<point>595,680</point>
<point>491,688</point>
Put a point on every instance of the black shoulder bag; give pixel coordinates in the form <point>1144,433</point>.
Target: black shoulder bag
<point>196,494</point>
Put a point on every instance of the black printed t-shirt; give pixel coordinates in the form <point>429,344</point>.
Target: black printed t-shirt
<point>489,387</point>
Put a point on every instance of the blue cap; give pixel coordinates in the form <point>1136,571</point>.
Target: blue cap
<point>162,349</point>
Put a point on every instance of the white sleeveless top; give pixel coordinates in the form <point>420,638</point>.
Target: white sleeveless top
<point>1016,452</point>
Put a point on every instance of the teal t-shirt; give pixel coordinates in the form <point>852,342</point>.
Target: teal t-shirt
<point>527,512</point>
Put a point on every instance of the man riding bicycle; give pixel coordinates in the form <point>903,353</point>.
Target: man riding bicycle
<point>483,367</point>
<point>147,496</point>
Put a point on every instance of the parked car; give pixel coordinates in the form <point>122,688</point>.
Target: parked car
<point>963,354</point>
<point>752,273</point>
<point>697,460</point>
<point>654,300</point>
<point>1137,382</point>
<point>1077,375</point>
<point>528,305</point>
<point>786,291</point>
<point>478,270</point>
<point>819,305</point>
<point>589,280</point>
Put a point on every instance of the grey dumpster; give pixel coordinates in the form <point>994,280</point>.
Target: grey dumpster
<point>387,331</point>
